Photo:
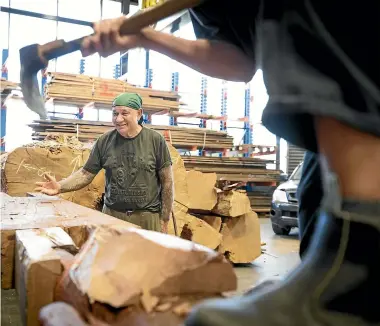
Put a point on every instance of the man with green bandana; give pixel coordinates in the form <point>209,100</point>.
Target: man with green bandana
<point>137,163</point>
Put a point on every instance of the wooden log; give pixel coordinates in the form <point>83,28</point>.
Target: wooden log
<point>185,267</point>
<point>202,190</point>
<point>190,274</point>
<point>21,213</point>
<point>232,203</point>
<point>24,166</point>
<point>241,241</point>
<point>194,229</point>
<point>212,220</point>
<point>38,265</point>
<point>181,192</point>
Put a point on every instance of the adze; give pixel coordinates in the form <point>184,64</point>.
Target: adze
<point>35,57</point>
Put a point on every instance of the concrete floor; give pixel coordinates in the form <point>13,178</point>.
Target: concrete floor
<point>280,257</point>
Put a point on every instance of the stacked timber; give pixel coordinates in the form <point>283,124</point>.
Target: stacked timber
<point>86,131</point>
<point>6,88</point>
<point>233,169</point>
<point>81,90</point>
<point>7,85</point>
<point>250,171</point>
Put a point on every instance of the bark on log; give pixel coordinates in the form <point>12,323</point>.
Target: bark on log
<point>38,265</point>
<point>184,267</point>
<point>21,213</point>
<point>232,204</point>
<point>24,166</point>
<point>241,241</point>
<point>202,191</point>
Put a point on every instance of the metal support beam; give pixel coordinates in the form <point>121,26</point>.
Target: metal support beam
<point>48,17</point>
<point>278,153</point>
<point>175,82</point>
<point>125,5</point>
<point>148,70</point>
<point>3,117</point>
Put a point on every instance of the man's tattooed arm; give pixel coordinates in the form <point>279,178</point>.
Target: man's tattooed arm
<point>76,181</point>
<point>167,192</point>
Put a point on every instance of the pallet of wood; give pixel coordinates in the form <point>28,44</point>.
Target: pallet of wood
<point>87,131</point>
<point>81,90</point>
<point>234,169</point>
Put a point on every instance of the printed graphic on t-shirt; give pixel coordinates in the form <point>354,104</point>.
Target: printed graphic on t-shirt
<point>127,186</point>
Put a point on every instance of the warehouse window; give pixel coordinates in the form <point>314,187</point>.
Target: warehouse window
<point>111,9</point>
<point>87,10</point>
<point>70,63</point>
<point>47,7</point>
<point>35,30</point>
<point>4,18</point>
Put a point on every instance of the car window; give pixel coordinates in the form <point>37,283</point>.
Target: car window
<point>296,175</point>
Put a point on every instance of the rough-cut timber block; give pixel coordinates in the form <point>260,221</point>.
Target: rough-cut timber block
<point>212,220</point>
<point>25,166</point>
<point>38,265</point>
<point>232,203</point>
<point>22,213</point>
<point>118,267</point>
<point>194,229</point>
<point>181,193</point>
<point>241,241</point>
<point>202,192</point>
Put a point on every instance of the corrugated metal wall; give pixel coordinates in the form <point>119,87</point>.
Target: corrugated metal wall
<point>295,157</point>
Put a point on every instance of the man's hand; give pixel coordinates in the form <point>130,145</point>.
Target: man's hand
<point>50,188</point>
<point>164,226</point>
<point>107,39</point>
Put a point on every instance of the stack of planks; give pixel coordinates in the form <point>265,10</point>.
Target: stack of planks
<point>81,90</point>
<point>233,168</point>
<point>6,87</point>
<point>186,138</point>
<point>252,171</point>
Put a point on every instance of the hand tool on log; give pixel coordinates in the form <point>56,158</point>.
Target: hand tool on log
<point>175,224</point>
<point>35,57</point>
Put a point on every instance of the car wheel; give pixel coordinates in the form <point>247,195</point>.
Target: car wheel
<point>281,230</point>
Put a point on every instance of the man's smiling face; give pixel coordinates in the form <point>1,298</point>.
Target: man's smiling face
<point>125,119</point>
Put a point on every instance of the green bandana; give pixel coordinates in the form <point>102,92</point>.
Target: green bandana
<point>130,100</point>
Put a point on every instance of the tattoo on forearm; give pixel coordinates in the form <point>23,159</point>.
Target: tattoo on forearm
<point>76,181</point>
<point>167,193</point>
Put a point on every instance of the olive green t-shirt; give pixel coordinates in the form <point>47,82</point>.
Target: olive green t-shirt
<point>131,169</point>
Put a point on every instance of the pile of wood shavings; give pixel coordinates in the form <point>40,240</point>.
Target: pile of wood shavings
<point>54,142</point>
